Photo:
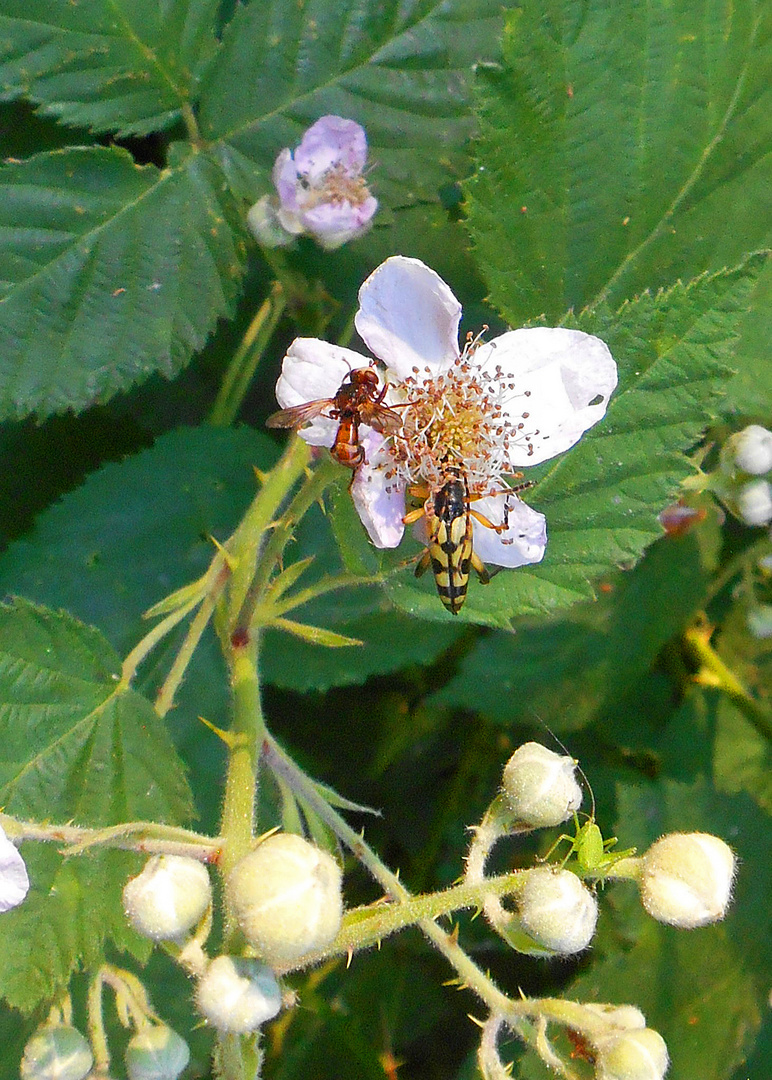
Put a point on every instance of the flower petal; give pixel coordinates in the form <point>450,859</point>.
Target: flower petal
<point>378,497</point>
<point>408,317</point>
<point>562,382</point>
<point>14,882</point>
<point>521,544</point>
<point>285,179</point>
<point>335,223</point>
<point>331,141</point>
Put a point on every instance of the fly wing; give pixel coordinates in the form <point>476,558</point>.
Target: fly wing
<point>380,417</point>
<point>298,415</point>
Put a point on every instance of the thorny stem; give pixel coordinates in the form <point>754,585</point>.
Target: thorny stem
<point>718,674</point>
<point>469,973</point>
<point>246,736</point>
<point>148,837</point>
<point>96,1027</point>
<point>249,540</point>
<point>367,926</point>
<point>310,492</point>
<point>247,356</point>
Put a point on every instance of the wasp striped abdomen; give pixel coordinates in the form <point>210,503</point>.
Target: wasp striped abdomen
<point>449,540</point>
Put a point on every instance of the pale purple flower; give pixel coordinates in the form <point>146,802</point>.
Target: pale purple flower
<point>14,882</point>
<point>321,188</point>
<point>490,407</point>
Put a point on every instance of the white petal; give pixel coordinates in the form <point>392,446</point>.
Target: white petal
<point>408,317</point>
<point>556,373</point>
<point>314,369</point>
<point>379,498</point>
<point>521,544</point>
<point>14,882</point>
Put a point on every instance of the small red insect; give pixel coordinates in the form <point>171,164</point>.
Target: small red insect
<point>357,401</point>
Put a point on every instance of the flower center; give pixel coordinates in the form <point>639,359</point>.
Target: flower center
<point>336,185</point>
<point>460,417</point>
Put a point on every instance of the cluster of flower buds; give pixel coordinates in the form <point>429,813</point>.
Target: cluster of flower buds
<point>286,896</point>
<point>743,480</point>
<point>321,190</point>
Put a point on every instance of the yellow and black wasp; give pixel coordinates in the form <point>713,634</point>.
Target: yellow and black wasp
<point>449,547</point>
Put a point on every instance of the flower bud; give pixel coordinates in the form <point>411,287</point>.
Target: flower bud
<point>753,450</point>
<point>540,786</point>
<point>286,895</point>
<point>623,1017</point>
<point>760,621</point>
<point>686,879</point>
<point>636,1055</point>
<point>58,1052</point>
<point>557,910</point>
<point>156,1053</point>
<point>238,995</point>
<point>168,897</point>
<point>754,503</point>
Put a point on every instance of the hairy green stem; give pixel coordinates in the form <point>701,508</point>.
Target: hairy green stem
<point>311,491</point>
<point>245,737</point>
<point>247,356</point>
<point>144,836</point>
<point>468,972</point>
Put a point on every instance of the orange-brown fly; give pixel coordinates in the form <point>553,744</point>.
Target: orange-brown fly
<point>358,400</point>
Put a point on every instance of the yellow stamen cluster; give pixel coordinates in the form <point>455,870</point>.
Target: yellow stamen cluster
<point>458,417</point>
<point>337,185</point>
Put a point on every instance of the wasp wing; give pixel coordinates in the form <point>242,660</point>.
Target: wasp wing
<point>298,415</point>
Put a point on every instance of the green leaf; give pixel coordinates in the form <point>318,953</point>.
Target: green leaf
<point>111,65</point>
<point>602,497</point>
<point>621,147</point>
<point>572,671</point>
<point>78,749</point>
<point>399,68</point>
<point>75,747</point>
<point>108,273</point>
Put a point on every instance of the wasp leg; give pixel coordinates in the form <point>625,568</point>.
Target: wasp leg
<point>488,523</point>
<point>480,567</point>
<point>413,515</point>
<point>423,563</point>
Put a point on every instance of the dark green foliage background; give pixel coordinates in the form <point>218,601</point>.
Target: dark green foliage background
<point>600,164</point>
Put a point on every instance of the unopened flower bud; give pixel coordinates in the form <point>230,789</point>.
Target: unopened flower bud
<point>156,1053</point>
<point>752,449</point>
<point>636,1055</point>
<point>760,621</point>
<point>287,898</point>
<point>58,1052</point>
<point>754,503</point>
<point>540,786</point>
<point>686,879</point>
<point>557,910</point>
<point>238,995</point>
<point>168,897</point>
<point>623,1017</point>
